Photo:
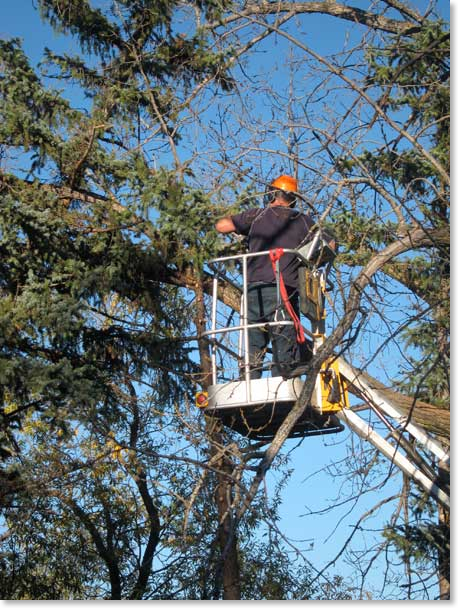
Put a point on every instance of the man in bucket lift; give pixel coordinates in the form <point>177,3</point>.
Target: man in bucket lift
<point>277,225</point>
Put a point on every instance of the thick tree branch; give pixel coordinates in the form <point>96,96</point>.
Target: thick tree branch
<point>332,8</point>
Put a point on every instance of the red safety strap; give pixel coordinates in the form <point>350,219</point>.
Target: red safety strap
<point>275,255</point>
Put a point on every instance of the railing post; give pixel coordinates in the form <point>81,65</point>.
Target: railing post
<point>245,329</point>
<point>213,326</point>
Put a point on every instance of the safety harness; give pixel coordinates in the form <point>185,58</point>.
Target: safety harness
<point>275,255</point>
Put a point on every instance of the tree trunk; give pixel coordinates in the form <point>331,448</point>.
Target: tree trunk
<point>227,537</point>
<point>444,550</point>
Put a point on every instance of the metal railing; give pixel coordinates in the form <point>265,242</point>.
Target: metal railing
<point>243,327</point>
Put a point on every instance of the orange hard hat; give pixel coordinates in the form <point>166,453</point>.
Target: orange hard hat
<point>286,183</point>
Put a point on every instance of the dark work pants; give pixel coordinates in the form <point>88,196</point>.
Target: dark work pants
<point>263,307</point>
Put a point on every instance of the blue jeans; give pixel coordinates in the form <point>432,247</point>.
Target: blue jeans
<point>263,308</point>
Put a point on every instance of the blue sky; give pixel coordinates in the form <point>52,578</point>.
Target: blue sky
<point>320,535</point>
<point>19,19</point>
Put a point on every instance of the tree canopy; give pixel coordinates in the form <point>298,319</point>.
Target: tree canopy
<point>118,154</point>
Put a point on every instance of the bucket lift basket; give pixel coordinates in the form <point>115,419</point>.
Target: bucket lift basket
<point>257,407</point>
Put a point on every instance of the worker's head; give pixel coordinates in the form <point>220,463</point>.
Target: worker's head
<point>282,190</point>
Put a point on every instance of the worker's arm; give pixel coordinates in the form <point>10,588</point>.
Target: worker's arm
<point>225,225</point>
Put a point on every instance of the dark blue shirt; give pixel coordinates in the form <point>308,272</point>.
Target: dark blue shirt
<point>268,229</point>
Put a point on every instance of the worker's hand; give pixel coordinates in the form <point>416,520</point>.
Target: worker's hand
<point>225,225</point>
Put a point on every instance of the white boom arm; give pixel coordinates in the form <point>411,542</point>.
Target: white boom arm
<point>355,379</point>
<point>367,432</point>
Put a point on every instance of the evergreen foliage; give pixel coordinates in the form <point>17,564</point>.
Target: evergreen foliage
<point>109,477</point>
